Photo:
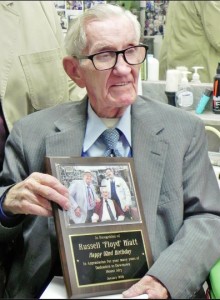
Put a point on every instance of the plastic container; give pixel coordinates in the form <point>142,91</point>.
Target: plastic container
<point>152,68</point>
<point>184,96</point>
<point>216,92</point>
<point>172,80</point>
<point>172,84</point>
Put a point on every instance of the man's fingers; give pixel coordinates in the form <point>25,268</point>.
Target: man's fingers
<point>134,290</point>
<point>51,194</point>
<point>147,285</point>
<point>35,194</point>
<point>48,187</point>
<point>29,208</point>
<point>50,181</point>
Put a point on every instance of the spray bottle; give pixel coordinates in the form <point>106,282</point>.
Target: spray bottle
<point>216,92</point>
<point>184,96</point>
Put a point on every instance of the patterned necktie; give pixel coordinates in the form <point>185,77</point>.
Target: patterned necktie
<point>90,198</point>
<point>110,138</point>
<point>110,211</point>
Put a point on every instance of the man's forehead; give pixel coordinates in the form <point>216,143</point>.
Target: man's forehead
<point>87,173</point>
<point>109,30</point>
<point>108,24</point>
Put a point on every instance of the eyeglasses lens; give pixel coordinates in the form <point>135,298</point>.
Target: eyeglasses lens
<point>107,60</point>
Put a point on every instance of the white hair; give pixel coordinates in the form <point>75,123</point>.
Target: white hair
<point>75,40</point>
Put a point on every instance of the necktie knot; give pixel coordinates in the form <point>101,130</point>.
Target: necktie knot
<point>110,138</point>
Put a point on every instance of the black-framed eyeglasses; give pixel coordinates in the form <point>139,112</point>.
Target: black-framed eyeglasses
<point>106,60</point>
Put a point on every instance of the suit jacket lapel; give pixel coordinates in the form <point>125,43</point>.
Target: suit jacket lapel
<point>68,138</point>
<point>149,152</point>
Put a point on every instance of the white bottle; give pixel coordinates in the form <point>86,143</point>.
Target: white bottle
<point>152,68</point>
<point>184,96</point>
<point>172,80</point>
<point>195,76</point>
<point>181,69</point>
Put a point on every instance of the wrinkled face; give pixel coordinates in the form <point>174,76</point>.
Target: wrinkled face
<point>105,194</point>
<point>110,91</point>
<point>88,178</point>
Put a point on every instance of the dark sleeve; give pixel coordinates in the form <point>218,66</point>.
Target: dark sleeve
<point>8,220</point>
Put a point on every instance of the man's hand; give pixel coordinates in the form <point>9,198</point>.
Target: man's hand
<point>77,212</point>
<point>126,208</point>
<point>147,285</point>
<point>35,194</point>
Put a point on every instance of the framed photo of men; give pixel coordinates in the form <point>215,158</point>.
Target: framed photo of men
<point>103,239</point>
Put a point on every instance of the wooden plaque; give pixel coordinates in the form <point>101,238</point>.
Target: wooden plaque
<point>100,256</point>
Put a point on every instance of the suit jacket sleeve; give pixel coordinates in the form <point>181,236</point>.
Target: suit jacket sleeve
<point>185,261</point>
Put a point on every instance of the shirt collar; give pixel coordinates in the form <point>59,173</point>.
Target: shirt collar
<point>95,127</point>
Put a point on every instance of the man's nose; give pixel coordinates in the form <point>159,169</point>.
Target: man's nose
<point>122,65</point>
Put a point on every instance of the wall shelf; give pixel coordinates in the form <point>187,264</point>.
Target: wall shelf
<point>209,118</point>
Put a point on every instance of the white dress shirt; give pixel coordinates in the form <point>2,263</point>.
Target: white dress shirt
<point>93,147</point>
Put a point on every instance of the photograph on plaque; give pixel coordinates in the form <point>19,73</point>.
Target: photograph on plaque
<point>103,239</point>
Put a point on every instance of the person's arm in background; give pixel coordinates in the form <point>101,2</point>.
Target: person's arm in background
<point>75,92</point>
<point>209,12</point>
<point>208,38</point>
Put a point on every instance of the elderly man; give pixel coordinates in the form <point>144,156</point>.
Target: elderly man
<point>178,187</point>
<point>107,209</point>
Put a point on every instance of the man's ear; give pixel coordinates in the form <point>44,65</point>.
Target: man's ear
<point>72,67</point>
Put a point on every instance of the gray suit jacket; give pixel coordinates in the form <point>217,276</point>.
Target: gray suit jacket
<point>178,187</point>
<point>78,197</point>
